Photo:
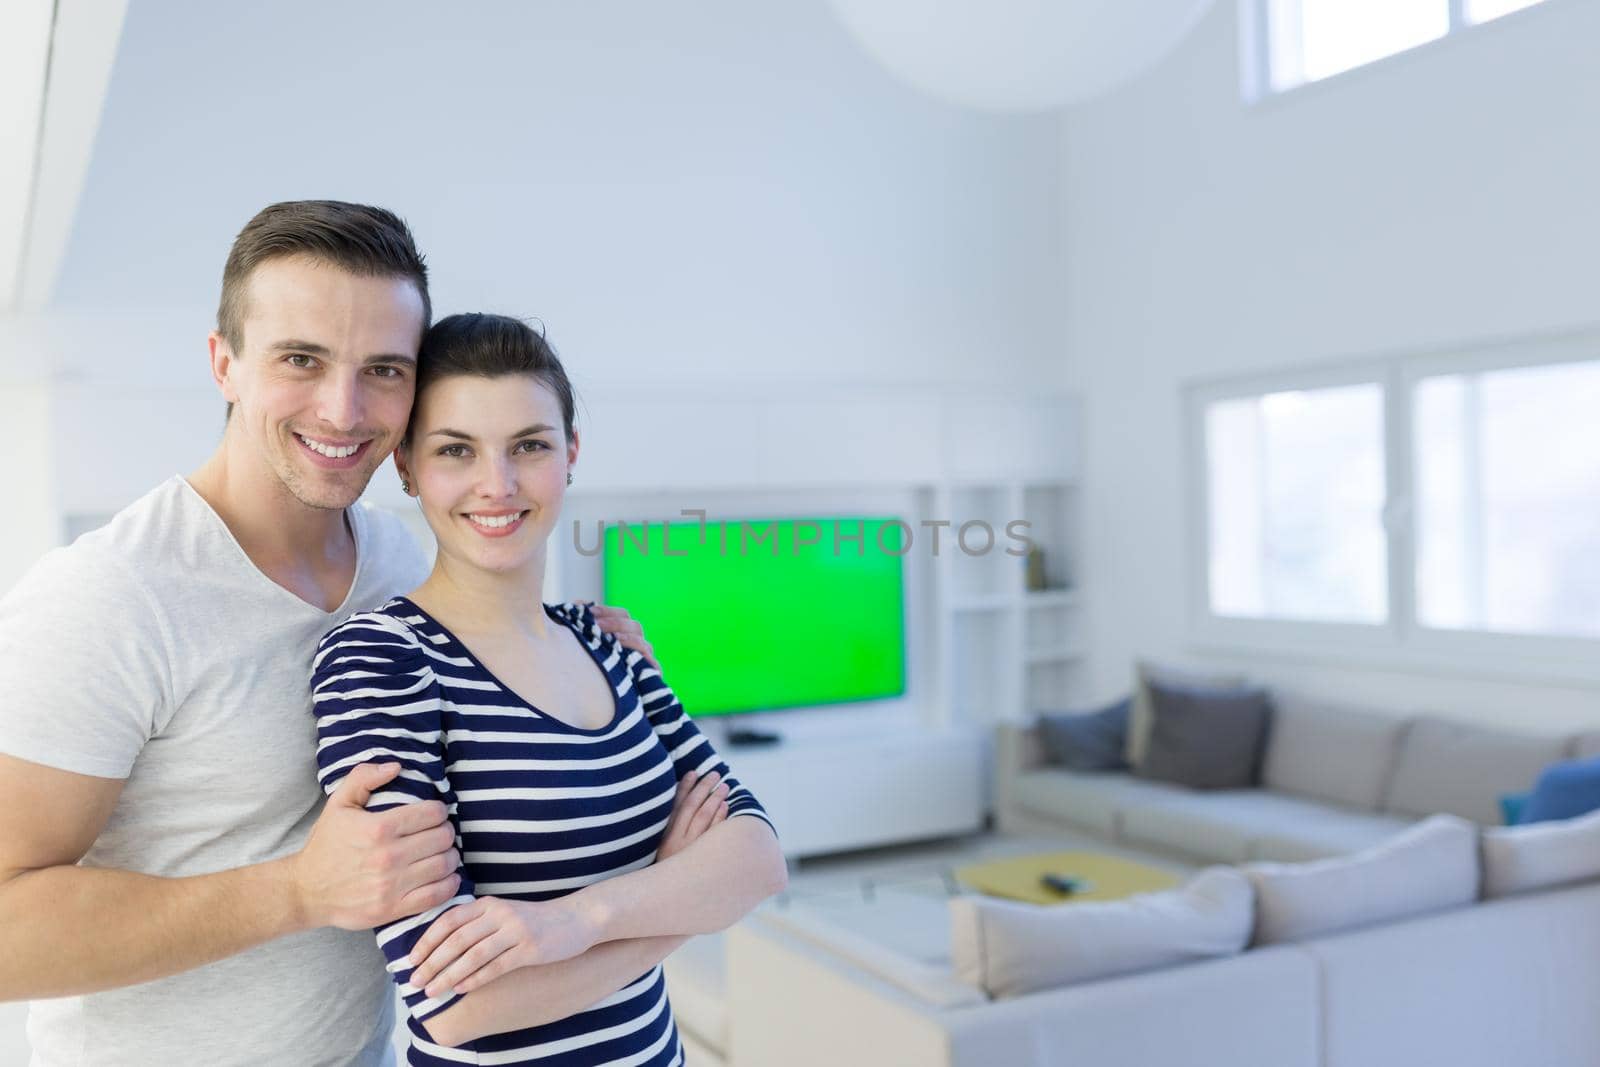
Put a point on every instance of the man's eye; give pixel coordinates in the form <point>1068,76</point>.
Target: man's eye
<point>300,359</point>
<point>385,371</point>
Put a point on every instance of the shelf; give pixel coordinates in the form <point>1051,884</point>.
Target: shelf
<point>983,602</point>
<point>1062,654</point>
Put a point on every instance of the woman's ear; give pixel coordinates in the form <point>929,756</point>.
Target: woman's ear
<point>572,450</point>
<point>402,463</point>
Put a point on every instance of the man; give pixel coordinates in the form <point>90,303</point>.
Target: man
<point>172,887</point>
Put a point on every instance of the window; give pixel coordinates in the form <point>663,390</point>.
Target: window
<point>1507,471</point>
<point>1443,507</point>
<point>1300,41</point>
<point>1296,488</point>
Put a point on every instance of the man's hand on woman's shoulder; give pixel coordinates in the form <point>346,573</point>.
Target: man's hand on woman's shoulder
<point>624,627</point>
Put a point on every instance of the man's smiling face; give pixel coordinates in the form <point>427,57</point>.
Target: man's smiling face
<point>323,385</point>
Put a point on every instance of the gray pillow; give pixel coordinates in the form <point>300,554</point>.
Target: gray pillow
<point>1206,738</point>
<point>1092,741</point>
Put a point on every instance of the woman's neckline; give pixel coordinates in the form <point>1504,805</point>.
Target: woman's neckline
<point>560,617</point>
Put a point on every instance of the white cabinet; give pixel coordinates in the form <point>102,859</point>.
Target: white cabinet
<point>845,792</point>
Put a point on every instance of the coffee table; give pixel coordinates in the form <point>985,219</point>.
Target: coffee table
<point>1109,877</point>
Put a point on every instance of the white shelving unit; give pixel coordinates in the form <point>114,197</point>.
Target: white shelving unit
<point>1008,649</point>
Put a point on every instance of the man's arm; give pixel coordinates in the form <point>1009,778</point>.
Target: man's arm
<point>67,930</point>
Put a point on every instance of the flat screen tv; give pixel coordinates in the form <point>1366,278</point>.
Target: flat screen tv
<point>761,614</point>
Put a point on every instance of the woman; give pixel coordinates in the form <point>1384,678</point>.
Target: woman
<point>597,827</point>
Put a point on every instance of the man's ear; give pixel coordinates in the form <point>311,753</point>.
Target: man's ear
<point>222,358</point>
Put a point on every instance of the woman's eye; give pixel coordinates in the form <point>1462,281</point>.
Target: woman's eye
<point>453,451</point>
<point>531,446</point>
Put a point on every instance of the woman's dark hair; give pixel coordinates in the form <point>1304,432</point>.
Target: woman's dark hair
<point>492,346</point>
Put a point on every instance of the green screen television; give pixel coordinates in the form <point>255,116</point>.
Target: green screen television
<point>761,614</point>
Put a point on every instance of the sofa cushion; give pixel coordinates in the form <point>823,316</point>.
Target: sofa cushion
<point>1328,751</point>
<point>1205,738</point>
<point>1464,769</point>
<point>1092,741</point>
<point>1540,855</point>
<point>1094,801</point>
<point>1009,948</point>
<point>1506,982</point>
<point>1431,866</point>
<point>933,984</point>
<point>1139,714</point>
<point>1247,824</point>
<point>1564,790</point>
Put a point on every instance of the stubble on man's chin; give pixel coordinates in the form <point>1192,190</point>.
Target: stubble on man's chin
<point>325,494</point>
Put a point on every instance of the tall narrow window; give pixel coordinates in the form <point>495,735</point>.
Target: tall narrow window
<point>1300,41</point>
<point>1507,475</point>
<point>1312,39</point>
<point>1295,493</point>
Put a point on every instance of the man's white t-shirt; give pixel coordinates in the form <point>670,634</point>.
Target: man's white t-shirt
<point>154,650</point>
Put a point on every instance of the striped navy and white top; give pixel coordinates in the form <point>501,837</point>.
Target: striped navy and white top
<point>541,808</point>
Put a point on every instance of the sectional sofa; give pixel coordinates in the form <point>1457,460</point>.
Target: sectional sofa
<point>1335,778</point>
<point>1502,982</point>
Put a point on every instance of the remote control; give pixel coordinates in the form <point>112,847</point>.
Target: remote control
<point>1064,884</point>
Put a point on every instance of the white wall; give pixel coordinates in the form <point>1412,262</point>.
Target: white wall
<point>702,190</point>
<point>29,530</point>
<point>1439,198</point>
<point>710,194</point>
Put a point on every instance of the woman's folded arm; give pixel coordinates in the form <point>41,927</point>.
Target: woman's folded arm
<point>545,993</point>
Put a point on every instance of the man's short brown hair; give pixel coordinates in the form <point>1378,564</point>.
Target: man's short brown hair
<point>364,240</point>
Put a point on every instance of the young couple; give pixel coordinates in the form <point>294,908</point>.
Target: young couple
<point>516,802</point>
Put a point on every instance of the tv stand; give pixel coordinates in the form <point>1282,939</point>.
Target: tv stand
<point>866,789</point>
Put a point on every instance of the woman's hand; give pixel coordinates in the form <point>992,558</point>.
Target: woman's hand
<point>698,805</point>
<point>473,944</point>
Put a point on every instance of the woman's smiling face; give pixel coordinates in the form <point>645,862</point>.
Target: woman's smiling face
<point>488,459</point>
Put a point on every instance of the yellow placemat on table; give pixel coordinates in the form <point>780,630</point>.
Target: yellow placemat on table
<point>1109,877</point>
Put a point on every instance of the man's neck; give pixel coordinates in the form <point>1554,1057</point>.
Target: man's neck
<point>289,541</point>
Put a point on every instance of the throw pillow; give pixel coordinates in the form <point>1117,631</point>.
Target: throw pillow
<point>1543,854</point>
<point>1009,948</point>
<point>1206,738</point>
<point>1511,805</point>
<point>1564,790</point>
<point>1139,716</point>
<point>1092,741</point>
<point>1429,867</point>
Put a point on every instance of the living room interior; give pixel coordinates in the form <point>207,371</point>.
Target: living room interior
<point>1201,393</point>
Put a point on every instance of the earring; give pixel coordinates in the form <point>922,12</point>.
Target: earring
<point>569,477</point>
<point>405,487</point>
